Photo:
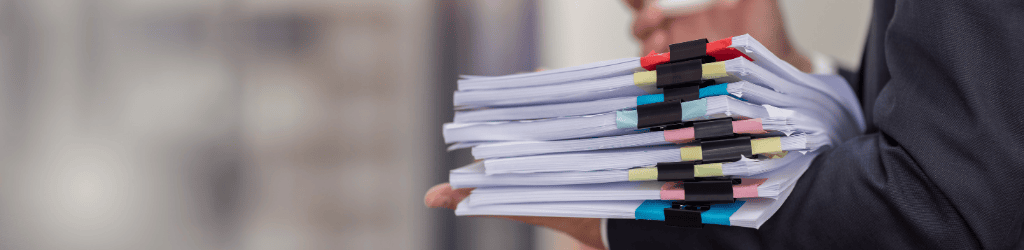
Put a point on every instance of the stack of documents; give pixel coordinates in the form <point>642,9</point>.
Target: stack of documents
<point>707,133</point>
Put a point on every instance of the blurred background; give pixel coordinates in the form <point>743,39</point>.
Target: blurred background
<point>279,124</point>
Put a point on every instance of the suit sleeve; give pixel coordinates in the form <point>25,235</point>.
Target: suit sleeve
<point>945,168</point>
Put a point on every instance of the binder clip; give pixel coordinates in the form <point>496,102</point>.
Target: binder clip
<point>657,116</point>
<point>679,52</point>
<point>725,150</point>
<point>666,115</point>
<point>680,74</point>
<point>689,50</point>
<point>686,93</point>
<point>683,171</point>
<point>712,129</point>
<point>700,195</point>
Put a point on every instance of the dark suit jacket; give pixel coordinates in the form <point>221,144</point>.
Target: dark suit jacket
<point>942,165</point>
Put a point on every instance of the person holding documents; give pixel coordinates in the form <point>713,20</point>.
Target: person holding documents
<point>939,166</point>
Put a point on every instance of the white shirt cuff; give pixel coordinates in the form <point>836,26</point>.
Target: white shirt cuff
<point>604,233</point>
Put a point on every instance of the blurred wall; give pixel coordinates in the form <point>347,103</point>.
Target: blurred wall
<point>337,123</point>
<point>833,27</point>
<point>577,32</point>
<point>482,37</point>
<point>215,124</point>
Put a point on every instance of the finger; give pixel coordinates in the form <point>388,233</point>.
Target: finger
<point>635,4</point>
<point>647,20</point>
<point>442,195</point>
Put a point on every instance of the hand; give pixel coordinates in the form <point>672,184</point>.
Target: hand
<point>585,230</point>
<point>762,19</point>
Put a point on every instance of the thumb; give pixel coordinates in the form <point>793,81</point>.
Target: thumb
<point>442,195</point>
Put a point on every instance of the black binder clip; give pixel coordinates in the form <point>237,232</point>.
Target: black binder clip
<point>658,115</point>
<point>679,74</point>
<point>684,51</point>
<point>666,115</point>
<point>700,195</point>
<point>717,151</point>
<point>683,171</point>
<point>713,129</point>
<point>676,171</point>
<point>686,93</point>
<point>726,150</point>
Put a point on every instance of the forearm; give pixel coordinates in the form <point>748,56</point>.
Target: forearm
<point>868,193</point>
